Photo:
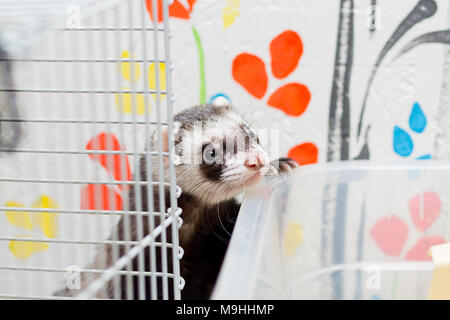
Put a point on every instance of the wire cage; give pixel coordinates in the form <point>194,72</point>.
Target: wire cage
<point>85,87</point>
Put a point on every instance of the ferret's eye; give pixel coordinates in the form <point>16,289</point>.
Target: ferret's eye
<point>211,154</point>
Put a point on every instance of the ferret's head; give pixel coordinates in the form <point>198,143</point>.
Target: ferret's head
<point>220,155</point>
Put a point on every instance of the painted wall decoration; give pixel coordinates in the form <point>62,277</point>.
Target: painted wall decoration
<point>102,196</point>
<point>230,12</point>
<point>292,98</point>
<point>250,72</point>
<point>393,243</point>
<point>47,222</point>
<point>255,70</point>
<point>403,142</point>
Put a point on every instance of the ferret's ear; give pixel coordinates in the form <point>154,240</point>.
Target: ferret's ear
<point>165,136</point>
<point>164,140</point>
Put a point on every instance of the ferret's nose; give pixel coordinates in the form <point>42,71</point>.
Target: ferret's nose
<point>254,161</point>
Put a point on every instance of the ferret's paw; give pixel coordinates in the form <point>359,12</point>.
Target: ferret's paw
<point>286,165</point>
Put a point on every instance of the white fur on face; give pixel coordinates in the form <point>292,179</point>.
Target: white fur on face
<point>235,176</point>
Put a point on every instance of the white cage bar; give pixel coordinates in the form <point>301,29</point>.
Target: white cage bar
<point>84,86</point>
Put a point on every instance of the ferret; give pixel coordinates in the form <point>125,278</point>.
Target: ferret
<point>214,167</point>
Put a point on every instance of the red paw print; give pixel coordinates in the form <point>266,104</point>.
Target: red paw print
<point>96,196</point>
<point>292,98</point>
<point>176,9</point>
<point>250,72</point>
<point>391,232</point>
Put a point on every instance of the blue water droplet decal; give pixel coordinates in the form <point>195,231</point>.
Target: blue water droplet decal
<point>376,297</point>
<point>417,119</point>
<point>403,144</point>
<point>424,157</point>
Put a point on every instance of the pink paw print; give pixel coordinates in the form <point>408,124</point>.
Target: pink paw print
<point>391,232</point>
<point>292,98</point>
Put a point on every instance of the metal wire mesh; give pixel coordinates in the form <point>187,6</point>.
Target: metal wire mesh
<point>88,87</point>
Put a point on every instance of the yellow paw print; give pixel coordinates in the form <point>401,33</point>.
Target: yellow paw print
<point>293,238</point>
<point>230,12</point>
<point>46,221</point>
<point>131,71</point>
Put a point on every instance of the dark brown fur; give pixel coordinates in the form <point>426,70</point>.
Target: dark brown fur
<point>204,235</point>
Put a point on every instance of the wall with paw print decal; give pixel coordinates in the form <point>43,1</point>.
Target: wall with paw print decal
<point>340,80</point>
<point>338,75</point>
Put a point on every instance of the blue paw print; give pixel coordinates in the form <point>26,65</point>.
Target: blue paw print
<point>403,142</point>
